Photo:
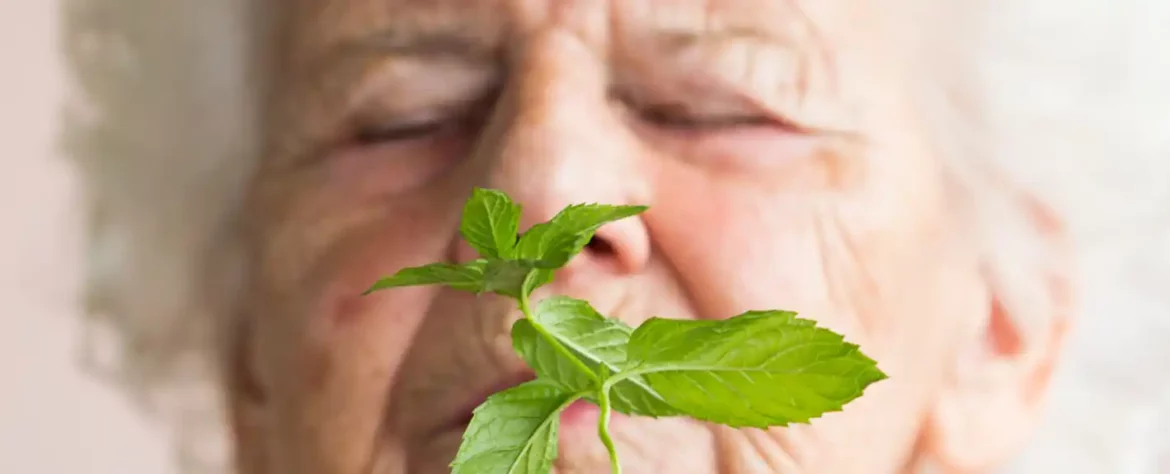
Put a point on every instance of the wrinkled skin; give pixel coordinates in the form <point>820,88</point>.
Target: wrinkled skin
<point>784,168</point>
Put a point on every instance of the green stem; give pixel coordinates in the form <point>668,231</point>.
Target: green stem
<point>603,430</point>
<point>526,309</point>
<point>603,395</point>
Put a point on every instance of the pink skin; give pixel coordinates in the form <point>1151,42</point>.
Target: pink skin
<point>822,195</point>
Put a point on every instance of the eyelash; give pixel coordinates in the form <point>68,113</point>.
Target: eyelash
<point>401,131</point>
<point>692,123</point>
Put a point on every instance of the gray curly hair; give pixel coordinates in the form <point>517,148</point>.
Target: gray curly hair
<point>165,136</point>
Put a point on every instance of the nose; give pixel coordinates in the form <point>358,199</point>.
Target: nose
<point>553,141</point>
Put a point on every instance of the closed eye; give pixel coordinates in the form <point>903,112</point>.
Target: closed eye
<point>706,117</point>
<point>680,118</point>
<point>459,117</point>
<point>669,118</point>
<point>401,131</point>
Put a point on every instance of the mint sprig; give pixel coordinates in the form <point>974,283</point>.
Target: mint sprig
<point>758,369</point>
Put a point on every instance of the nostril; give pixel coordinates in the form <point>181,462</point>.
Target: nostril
<point>599,247</point>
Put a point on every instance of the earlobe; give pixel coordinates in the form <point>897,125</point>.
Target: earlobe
<point>995,399</point>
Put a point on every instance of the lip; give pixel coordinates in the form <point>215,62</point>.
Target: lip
<point>462,416</point>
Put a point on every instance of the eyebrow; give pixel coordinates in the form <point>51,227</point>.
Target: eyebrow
<point>412,41</point>
<point>423,32</point>
<point>783,27</point>
<point>673,29</point>
<point>346,62</point>
<point>765,20</point>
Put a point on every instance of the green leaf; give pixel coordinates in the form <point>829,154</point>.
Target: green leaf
<point>552,244</point>
<point>490,223</point>
<point>505,277</point>
<point>467,277</point>
<point>541,277</point>
<point>758,369</point>
<point>597,341</point>
<point>514,431</point>
<point>510,277</point>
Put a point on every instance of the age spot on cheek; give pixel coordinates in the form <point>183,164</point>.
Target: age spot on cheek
<point>842,164</point>
<point>343,305</point>
<point>348,310</point>
<point>352,310</point>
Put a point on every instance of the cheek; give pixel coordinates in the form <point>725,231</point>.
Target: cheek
<point>753,250</point>
<point>337,313</point>
<point>341,305</point>
<point>389,169</point>
<point>878,260</point>
<point>327,355</point>
<point>894,280</point>
<point>761,239</point>
<point>831,245</point>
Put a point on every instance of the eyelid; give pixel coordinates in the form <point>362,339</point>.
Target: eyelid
<point>751,74</point>
<point>718,110</point>
<point>796,84</point>
<point>399,130</point>
<point>681,116</point>
<point>403,87</point>
<point>411,97</point>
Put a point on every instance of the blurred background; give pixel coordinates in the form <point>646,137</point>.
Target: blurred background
<point>85,85</point>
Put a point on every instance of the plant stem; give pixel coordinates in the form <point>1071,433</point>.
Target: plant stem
<point>526,309</point>
<point>603,430</point>
<point>603,394</point>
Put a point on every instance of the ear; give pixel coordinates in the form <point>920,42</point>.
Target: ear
<point>994,398</point>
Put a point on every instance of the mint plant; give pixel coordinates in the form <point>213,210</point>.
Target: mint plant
<point>758,369</point>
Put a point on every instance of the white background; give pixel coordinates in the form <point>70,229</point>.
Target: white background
<point>53,419</point>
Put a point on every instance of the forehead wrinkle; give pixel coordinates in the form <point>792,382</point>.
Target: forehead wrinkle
<point>422,33</point>
<point>679,21</point>
<point>373,30</point>
<point>664,37</point>
<point>655,31</point>
<point>472,40</point>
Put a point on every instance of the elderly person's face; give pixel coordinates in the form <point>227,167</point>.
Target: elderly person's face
<point>784,164</point>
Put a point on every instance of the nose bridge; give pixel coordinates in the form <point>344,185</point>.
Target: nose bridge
<point>552,140</point>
